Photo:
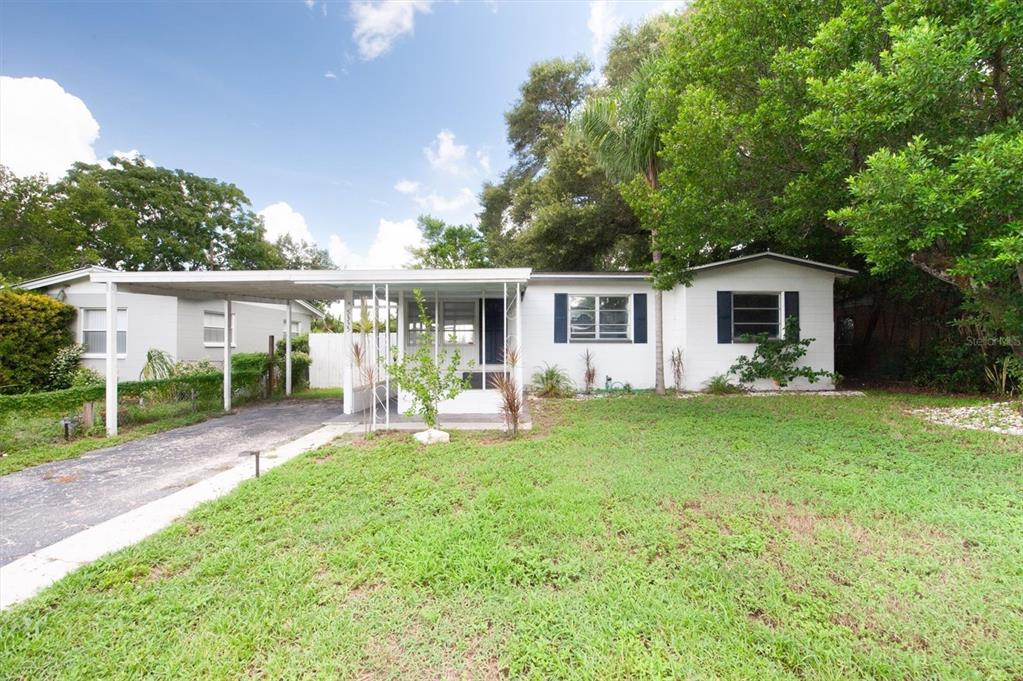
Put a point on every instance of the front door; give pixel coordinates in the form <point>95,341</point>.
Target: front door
<point>493,308</point>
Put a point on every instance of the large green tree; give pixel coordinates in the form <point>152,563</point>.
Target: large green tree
<point>133,216</point>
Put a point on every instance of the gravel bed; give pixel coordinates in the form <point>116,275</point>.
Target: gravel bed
<point>998,417</point>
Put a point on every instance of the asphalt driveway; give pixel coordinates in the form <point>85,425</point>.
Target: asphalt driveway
<point>45,503</point>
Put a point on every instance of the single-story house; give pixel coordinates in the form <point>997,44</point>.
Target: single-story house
<point>188,327</point>
<point>547,317</point>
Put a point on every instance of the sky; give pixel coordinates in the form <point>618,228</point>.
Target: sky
<point>341,121</point>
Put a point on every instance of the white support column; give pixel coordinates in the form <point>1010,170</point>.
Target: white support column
<point>287,351</point>
<point>387,354</point>
<point>111,393</point>
<point>504,352</point>
<point>228,339</point>
<point>347,379</point>
<point>376,355</point>
<point>436,327</point>
<point>518,338</point>
<point>483,336</point>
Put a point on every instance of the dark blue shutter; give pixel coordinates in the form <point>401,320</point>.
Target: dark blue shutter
<point>792,307</point>
<point>560,317</point>
<point>639,318</point>
<point>724,316</point>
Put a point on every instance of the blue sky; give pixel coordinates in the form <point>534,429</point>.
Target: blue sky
<point>341,121</point>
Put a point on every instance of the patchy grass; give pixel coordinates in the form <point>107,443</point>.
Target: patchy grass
<point>31,439</point>
<point>715,537</point>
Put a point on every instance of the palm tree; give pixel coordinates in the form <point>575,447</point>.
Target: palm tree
<point>623,129</point>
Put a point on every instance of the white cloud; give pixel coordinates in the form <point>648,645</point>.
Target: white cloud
<point>310,3</point>
<point>407,186</point>
<point>388,250</point>
<point>280,218</point>
<point>442,204</point>
<point>603,23</point>
<point>379,24</point>
<point>330,74</point>
<point>130,155</point>
<point>444,154</point>
<point>43,128</point>
<point>483,158</point>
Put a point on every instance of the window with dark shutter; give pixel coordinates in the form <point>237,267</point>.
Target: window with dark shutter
<point>639,318</point>
<point>560,317</point>
<point>724,316</point>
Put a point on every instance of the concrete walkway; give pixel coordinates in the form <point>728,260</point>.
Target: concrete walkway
<point>44,504</point>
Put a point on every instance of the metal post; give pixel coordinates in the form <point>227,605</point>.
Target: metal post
<point>228,338</point>
<point>504,353</point>
<point>436,326</point>
<point>347,380</point>
<point>402,324</point>
<point>287,351</point>
<point>387,353</point>
<point>111,392</point>
<point>376,355</point>
<point>518,338</point>
<point>483,336</point>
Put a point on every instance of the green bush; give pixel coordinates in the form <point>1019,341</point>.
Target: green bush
<point>84,376</point>
<point>300,362</point>
<point>249,361</point>
<point>552,381</point>
<point>33,328</point>
<point>950,365</point>
<point>721,385</point>
<point>63,367</point>
<point>776,358</point>
<point>299,343</point>
<point>196,367</point>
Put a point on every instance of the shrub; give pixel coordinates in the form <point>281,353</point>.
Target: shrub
<point>300,362</point>
<point>159,365</point>
<point>33,328</point>
<point>63,367</point>
<point>721,385</point>
<point>84,377</point>
<point>511,399</point>
<point>250,361</point>
<point>552,381</point>
<point>775,358</point>
<point>589,371</point>
<point>197,367</point>
<point>299,343</point>
<point>950,365</point>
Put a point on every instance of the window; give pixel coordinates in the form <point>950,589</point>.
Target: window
<point>598,317</point>
<point>213,329</point>
<point>413,327</point>
<point>296,328</point>
<point>94,331</point>
<point>459,322</point>
<point>755,313</point>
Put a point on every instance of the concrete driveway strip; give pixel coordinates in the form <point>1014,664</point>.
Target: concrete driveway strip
<point>44,504</point>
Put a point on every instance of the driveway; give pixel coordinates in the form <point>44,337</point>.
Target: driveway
<point>45,503</point>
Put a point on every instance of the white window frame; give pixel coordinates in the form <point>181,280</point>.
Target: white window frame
<point>736,336</point>
<point>81,330</point>
<point>412,317</point>
<point>296,327</point>
<point>596,318</point>
<point>234,329</point>
<point>475,323</point>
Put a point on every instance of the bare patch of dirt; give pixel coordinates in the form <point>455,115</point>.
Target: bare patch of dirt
<point>758,615</point>
<point>62,479</point>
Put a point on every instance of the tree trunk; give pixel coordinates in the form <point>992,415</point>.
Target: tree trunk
<point>651,178</point>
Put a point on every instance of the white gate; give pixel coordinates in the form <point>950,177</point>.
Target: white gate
<point>325,356</point>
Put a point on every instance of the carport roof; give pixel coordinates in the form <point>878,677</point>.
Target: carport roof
<point>281,285</point>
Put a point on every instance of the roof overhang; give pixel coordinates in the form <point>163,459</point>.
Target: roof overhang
<point>276,286</point>
<point>779,257</point>
<point>62,277</point>
<point>589,276</point>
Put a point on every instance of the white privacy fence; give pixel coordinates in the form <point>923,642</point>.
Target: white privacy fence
<point>326,360</point>
<point>330,358</point>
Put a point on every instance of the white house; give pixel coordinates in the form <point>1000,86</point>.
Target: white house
<point>187,327</point>
<point>547,318</point>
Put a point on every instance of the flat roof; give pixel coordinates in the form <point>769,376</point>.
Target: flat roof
<point>281,285</point>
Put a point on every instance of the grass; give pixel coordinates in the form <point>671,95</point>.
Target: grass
<point>30,439</point>
<point>639,537</point>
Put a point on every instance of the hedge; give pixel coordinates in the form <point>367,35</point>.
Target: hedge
<point>62,401</point>
<point>33,327</point>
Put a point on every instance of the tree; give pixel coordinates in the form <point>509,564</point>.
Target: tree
<point>624,131</point>
<point>633,45</point>
<point>449,246</point>
<point>301,255</point>
<point>554,90</point>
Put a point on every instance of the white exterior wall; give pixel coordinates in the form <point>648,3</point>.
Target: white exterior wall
<point>624,362</point>
<point>152,323</point>
<point>705,357</point>
<point>173,325</point>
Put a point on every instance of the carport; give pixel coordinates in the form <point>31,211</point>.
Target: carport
<point>381,292</point>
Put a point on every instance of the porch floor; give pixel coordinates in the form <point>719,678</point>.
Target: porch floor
<point>400,421</point>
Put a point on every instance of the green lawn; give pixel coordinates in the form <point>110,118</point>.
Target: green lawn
<point>640,537</point>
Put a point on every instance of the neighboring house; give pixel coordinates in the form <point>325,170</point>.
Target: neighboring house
<point>550,318</point>
<point>187,327</point>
